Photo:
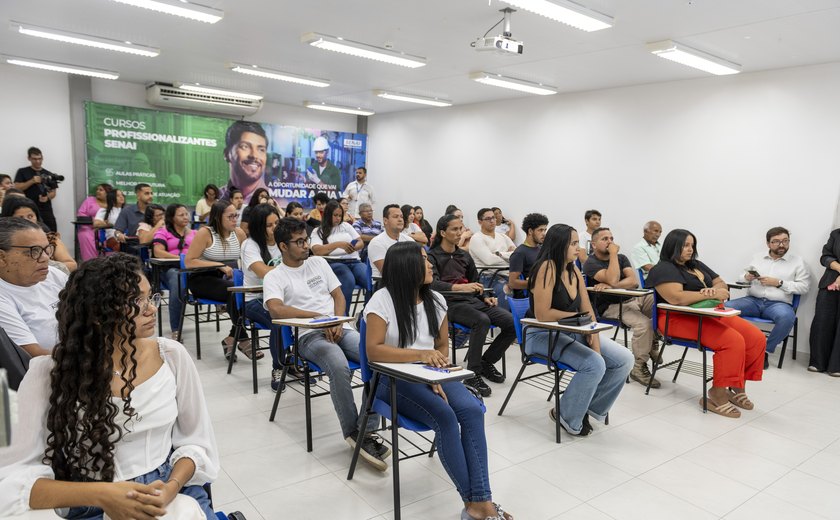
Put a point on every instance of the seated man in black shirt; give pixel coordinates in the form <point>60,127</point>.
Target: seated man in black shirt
<point>456,276</point>
<point>606,268</point>
<point>523,257</point>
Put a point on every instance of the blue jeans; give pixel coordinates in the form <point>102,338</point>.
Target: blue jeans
<point>498,287</point>
<point>161,473</point>
<point>598,378</point>
<point>780,313</point>
<point>459,425</point>
<point>333,361</point>
<point>255,312</point>
<point>350,273</point>
<point>169,279</point>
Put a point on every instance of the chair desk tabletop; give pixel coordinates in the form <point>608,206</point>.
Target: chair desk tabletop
<point>633,293</point>
<point>246,289</point>
<point>306,323</point>
<point>592,328</point>
<point>418,373</point>
<point>726,313</point>
<point>165,261</point>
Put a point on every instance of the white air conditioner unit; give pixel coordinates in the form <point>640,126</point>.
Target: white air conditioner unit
<point>168,96</point>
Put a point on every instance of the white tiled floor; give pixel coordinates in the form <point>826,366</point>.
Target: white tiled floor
<point>659,458</point>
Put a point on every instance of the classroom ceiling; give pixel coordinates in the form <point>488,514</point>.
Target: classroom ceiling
<point>757,34</point>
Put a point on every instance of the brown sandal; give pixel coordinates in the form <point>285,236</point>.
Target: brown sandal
<point>741,401</point>
<point>726,409</point>
<point>247,349</point>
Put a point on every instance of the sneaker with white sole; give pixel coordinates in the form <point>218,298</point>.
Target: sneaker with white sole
<point>373,450</point>
<point>277,384</point>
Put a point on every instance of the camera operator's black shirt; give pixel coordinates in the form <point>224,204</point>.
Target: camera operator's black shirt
<point>36,190</point>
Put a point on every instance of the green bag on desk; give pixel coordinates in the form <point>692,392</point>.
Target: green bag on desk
<point>706,304</point>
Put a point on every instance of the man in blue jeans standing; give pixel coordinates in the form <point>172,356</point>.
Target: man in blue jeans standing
<point>774,278</point>
<point>306,287</point>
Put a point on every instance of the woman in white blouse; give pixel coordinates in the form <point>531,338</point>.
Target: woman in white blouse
<point>339,243</point>
<point>410,228</point>
<point>115,421</point>
<point>106,218</point>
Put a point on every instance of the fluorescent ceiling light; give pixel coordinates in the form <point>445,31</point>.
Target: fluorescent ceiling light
<point>410,98</point>
<point>84,39</point>
<point>362,50</point>
<point>675,51</point>
<point>521,85</point>
<point>61,67</point>
<point>197,87</point>
<point>569,13</point>
<point>253,70</point>
<point>338,108</point>
<point>183,8</point>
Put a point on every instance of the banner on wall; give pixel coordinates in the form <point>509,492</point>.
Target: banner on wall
<point>179,154</point>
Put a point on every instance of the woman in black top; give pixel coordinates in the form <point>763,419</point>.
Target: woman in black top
<point>680,279</point>
<point>825,329</point>
<point>557,291</point>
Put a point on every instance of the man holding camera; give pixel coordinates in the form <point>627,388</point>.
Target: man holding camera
<point>39,185</point>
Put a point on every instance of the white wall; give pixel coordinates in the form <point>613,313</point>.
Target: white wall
<point>34,112</point>
<point>726,157</point>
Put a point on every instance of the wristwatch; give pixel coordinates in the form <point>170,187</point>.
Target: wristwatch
<point>780,284</point>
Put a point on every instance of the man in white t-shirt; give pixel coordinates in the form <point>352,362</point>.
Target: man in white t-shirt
<point>306,287</point>
<point>491,249</point>
<point>392,222</point>
<point>359,192</point>
<point>592,218</point>
<point>29,287</point>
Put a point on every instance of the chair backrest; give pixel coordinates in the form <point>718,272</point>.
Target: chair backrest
<point>286,338</point>
<point>654,314</point>
<point>367,373</point>
<point>368,276</point>
<point>795,302</point>
<point>183,257</point>
<point>518,308</point>
<point>239,281</point>
<point>14,359</point>
<point>524,291</point>
<point>641,274</point>
<point>578,264</point>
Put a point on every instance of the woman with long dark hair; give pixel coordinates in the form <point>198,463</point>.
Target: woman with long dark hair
<point>219,245</point>
<point>295,210</point>
<point>114,421</point>
<point>153,219</point>
<point>406,323</point>
<point>681,279</point>
<point>420,220</point>
<point>339,243</point>
<point>260,196</point>
<point>106,218</point>
<point>260,254</point>
<point>557,291</point>
<point>209,197</point>
<point>410,228</point>
<point>170,241</point>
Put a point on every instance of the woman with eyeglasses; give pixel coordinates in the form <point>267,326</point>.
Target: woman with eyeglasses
<point>115,421</point>
<point>339,243</point>
<point>202,207</point>
<point>219,245</point>
<point>406,323</point>
<point>260,254</point>
<point>169,242</point>
<point>153,220</point>
<point>345,205</point>
<point>60,257</point>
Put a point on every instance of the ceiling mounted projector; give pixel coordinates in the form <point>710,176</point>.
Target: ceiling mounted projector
<point>503,43</point>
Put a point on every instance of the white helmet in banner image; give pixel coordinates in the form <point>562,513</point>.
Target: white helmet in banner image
<point>320,144</point>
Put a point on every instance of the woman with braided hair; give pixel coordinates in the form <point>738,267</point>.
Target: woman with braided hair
<point>115,421</point>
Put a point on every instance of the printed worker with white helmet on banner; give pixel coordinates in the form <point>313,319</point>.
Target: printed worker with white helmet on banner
<point>325,171</point>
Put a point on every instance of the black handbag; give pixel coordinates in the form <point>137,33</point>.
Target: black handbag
<point>576,321</point>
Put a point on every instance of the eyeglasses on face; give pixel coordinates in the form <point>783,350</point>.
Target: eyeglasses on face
<point>301,242</point>
<point>145,302</point>
<point>35,252</point>
<point>488,219</point>
<point>784,242</point>
<point>232,216</point>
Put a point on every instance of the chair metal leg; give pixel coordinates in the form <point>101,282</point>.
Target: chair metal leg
<point>198,337</point>
<point>433,448</point>
<point>308,403</point>
<point>795,335</point>
<point>679,367</point>
<point>395,458</point>
<point>655,367</point>
<point>363,430</point>
<point>255,343</point>
<point>557,404</point>
<point>512,388</point>
<point>279,392</point>
<point>782,354</point>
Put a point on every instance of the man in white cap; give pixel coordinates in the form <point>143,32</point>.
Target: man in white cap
<point>325,171</point>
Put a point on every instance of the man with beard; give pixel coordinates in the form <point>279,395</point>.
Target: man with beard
<point>359,192</point>
<point>324,172</point>
<point>774,277</point>
<point>246,148</point>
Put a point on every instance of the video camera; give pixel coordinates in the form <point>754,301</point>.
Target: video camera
<point>50,180</point>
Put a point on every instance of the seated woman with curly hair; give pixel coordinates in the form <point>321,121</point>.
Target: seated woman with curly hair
<point>115,421</point>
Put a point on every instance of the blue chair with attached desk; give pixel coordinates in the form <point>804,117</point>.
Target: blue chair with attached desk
<point>518,307</point>
<point>794,333</point>
<point>195,302</point>
<point>253,326</point>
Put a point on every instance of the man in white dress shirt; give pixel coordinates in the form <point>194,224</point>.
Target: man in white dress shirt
<point>491,249</point>
<point>359,191</point>
<point>645,254</point>
<point>780,276</point>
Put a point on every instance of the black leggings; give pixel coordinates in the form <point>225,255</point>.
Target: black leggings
<point>212,286</point>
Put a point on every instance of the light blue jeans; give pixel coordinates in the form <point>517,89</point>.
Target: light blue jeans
<point>169,279</point>
<point>598,378</point>
<point>161,473</point>
<point>332,359</point>
<point>459,425</point>
<point>780,313</point>
<point>255,311</point>
<point>350,273</point>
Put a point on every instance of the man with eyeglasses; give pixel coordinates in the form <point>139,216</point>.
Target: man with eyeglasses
<point>29,287</point>
<point>492,250</point>
<point>774,278</point>
<point>305,286</point>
